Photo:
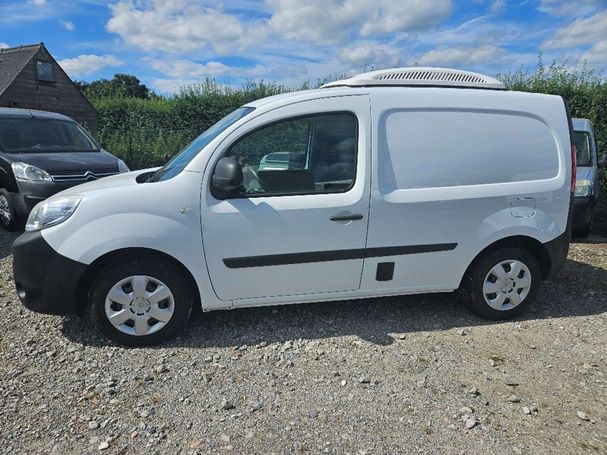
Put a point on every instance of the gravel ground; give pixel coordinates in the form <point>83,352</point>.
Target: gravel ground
<point>394,375</point>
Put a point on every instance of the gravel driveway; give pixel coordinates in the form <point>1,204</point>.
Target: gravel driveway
<point>394,375</point>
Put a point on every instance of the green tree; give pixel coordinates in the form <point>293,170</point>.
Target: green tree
<point>120,86</point>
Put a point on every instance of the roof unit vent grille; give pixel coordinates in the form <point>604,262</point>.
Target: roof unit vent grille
<point>442,77</point>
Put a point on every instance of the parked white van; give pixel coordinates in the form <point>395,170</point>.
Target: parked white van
<point>409,180</point>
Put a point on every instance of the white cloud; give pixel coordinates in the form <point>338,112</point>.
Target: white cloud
<point>36,2</point>
<point>84,65</point>
<point>370,54</point>
<point>497,6</point>
<point>461,56</point>
<point>411,15</point>
<point>569,7</point>
<point>186,69</point>
<point>597,54</point>
<point>335,21</point>
<point>583,31</point>
<point>181,26</point>
<point>68,25</point>
<point>3,45</point>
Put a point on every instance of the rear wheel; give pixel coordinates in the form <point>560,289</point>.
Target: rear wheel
<point>502,284</point>
<point>140,303</point>
<point>8,215</point>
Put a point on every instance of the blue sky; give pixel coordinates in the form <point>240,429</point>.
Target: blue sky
<point>170,43</point>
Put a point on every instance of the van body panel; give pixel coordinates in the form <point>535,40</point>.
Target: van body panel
<point>291,227</point>
<point>130,215</point>
<point>420,209</point>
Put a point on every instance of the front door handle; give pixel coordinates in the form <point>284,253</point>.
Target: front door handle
<point>346,217</point>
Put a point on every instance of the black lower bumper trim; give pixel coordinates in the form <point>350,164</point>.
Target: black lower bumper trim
<point>558,248</point>
<point>46,281</point>
<point>582,211</point>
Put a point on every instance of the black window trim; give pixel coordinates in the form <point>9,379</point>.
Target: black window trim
<point>223,197</point>
<point>54,81</point>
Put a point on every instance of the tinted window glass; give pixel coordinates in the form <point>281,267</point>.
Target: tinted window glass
<point>313,154</point>
<point>582,145</point>
<point>43,136</point>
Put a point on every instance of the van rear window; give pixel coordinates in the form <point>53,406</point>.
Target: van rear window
<point>429,149</point>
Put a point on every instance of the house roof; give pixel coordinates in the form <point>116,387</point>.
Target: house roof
<point>13,60</point>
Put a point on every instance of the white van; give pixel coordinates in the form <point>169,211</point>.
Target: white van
<point>402,181</point>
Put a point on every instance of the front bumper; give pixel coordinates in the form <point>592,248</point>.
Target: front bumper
<point>46,281</point>
<point>582,210</point>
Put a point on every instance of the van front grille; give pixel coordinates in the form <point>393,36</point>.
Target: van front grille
<point>86,177</point>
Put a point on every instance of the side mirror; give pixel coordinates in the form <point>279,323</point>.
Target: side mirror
<point>228,175</point>
<point>602,162</point>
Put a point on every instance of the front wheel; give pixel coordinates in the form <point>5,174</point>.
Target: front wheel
<point>8,215</point>
<point>141,302</point>
<point>501,284</point>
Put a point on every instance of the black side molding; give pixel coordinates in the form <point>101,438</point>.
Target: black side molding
<point>333,255</point>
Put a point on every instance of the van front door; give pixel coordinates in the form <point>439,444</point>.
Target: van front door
<point>298,224</point>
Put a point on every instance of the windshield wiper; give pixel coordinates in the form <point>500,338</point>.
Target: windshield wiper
<point>152,177</point>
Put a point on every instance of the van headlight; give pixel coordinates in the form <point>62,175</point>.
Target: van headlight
<point>583,188</point>
<point>52,212</point>
<point>27,173</point>
<point>122,167</point>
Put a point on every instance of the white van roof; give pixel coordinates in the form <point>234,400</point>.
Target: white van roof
<point>421,76</point>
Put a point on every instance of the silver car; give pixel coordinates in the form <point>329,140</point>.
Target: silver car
<point>587,182</point>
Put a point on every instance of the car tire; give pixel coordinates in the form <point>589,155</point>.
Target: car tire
<point>494,290</point>
<point>140,302</point>
<point>9,219</point>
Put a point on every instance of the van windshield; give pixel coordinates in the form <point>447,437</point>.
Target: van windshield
<point>583,156</point>
<point>181,160</point>
<point>30,135</point>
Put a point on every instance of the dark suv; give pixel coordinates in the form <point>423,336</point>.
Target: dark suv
<point>42,153</point>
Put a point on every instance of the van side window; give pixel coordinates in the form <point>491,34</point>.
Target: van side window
<point>303,155</point>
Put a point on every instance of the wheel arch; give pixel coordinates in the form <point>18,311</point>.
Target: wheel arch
<point>7,181</point>
<point>534,246</point>
<point>93,270</point>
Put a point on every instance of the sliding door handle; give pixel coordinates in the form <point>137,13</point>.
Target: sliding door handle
<point>346,217</point>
